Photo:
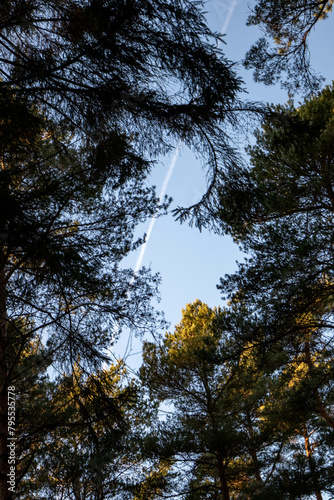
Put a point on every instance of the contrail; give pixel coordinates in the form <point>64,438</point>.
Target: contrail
<point>175,157</point>
<point>171,167</point>
<point>229,15</point>
<point>161,195</point>
<point>166,182</point>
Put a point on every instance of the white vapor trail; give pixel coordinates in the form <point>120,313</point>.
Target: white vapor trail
<point>175,157</point>
<point>171,167</point>
<point>161,195</point>
<point>229,16</point>
<point>164,189</point>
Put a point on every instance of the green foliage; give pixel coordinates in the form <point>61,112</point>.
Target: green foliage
<point>245,420</point>
<point>68,215</point>
<point>291,167</point>
<point>79,435</point>
<point>285,288</point>
<point>68,219</point>
<point>91,92</point>
<point>214,438</point>
<point>145,74</point>
<point>285,218</point>
<point>287,24</point>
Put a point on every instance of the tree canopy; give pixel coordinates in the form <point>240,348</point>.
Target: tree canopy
<point>283,53</point>
<point>244,421</point>
<point>147,72</point>
<point>83,441</point>
<point>91,93</point>
<point>281,209</point>
<point>67,220</point>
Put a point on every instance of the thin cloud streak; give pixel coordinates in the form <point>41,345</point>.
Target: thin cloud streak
<point>164,189</point>
<point>171,167</point>
<point>175,157</point>
<point>161,195</point>
<point>229,16</point>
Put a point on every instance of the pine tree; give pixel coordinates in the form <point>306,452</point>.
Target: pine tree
<point>145,73</point>
<point>214,439</point>
<point>91,93</point>
<point>283,53</point>
<point>67,220</point>
<point>284,290</point>
<point>77,436</point>
<point>284,216</point>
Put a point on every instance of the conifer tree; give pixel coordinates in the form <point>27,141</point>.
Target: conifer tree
<point>282,216</point>
<point>283,53</point>
<point>67,220</point>
<point>143,73</point>
<point>91,92</point>
<point>281,211</point>
<point>77,436</point>
<point>213,438</point>
<point>244,421</point>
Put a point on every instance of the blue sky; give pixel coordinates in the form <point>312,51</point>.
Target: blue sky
<point>190,263</point>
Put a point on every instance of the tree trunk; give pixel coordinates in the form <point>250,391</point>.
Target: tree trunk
<point>329,419</point>
<point>309,453</point>
<point>222,476</point>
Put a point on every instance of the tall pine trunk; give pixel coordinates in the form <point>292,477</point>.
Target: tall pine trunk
<point>309,455</point>
<point>222,476</point>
